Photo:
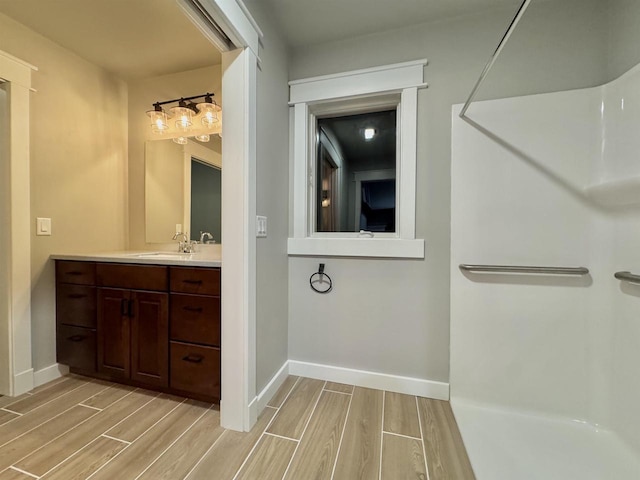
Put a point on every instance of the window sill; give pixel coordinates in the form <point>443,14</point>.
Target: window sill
<point>357,247</point>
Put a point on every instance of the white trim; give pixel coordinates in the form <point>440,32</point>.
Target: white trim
<point>236,22</point>
<point>23,382</point>
<point>382,79</point>
<point>238,235</point>
<point>15,316</point>
<point>380,381</point>
<point>47,374</point>
<point>364,87</point>
<point>300,181</point>
<point>259,403</point>
<point>356,247</point>
<point>407,164</point>
<point>8,56</point>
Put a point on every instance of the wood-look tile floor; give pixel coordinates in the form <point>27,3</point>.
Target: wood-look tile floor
<point>76,428</point>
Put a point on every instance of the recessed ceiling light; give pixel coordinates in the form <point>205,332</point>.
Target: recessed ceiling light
<point>369,133</point>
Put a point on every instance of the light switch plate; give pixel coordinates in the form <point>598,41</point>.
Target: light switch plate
<point>43,226</point>
<point>261,226</point>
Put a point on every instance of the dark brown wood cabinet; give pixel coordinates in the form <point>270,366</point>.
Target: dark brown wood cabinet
<point>133,325</point>
<point>76,315</point>
<point>195,330</point>
<point>150,325</point>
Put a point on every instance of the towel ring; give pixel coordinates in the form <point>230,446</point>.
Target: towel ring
<point>320,282</point>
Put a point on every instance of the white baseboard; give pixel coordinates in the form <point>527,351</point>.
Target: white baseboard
<point>272,387</point>
<point>22,382</point>
<point>258,404</point>
<point>363,378</point>
<point>49,373</point>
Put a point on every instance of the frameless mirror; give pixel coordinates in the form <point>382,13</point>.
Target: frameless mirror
<point>356,172</point>
<point>182,189</point>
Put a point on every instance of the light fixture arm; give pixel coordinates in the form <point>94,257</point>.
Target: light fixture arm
<point>207,96</point>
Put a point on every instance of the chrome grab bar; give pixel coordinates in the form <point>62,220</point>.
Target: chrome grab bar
<point>526,269</point>
<point>627,277</point>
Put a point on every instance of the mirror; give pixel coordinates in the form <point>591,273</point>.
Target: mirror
<point>182,189</point>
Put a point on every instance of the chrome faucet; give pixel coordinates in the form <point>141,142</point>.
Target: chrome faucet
<point>184,245</point>
<point>208,235</point>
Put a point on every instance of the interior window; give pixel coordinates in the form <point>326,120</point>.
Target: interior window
<point>353,171</point>
<point>356,172</point>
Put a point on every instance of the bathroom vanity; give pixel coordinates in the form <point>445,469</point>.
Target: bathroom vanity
<point>149,321</point>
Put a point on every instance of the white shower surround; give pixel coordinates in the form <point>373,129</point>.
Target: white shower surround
<point>543,369</point>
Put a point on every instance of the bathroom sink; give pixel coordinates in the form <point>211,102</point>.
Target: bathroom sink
<point>164,255</point>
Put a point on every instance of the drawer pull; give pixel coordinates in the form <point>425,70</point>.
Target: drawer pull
<point>76,296</point>
<point>123,307</point>
<point>76,338</point>
<point>75,273</point>
<point>192,309</point>
<point>193,282</point>
<point>193,358</point>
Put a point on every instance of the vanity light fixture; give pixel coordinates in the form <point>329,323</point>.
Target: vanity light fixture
<point>158,118</point>
<point>183,114</point>
<point>209,110</point>
<point>190,118</point>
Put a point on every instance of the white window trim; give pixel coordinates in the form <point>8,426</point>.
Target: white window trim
<point>312,94</point>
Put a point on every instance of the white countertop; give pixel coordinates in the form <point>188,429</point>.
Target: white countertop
<point>205,258</point>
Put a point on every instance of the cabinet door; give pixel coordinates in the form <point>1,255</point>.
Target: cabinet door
<point>150,338</point>
<point>114,332</point>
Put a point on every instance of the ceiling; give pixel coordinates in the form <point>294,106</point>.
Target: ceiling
<point>307,22</point>
<point>349,132</point>
<point>131,38</point>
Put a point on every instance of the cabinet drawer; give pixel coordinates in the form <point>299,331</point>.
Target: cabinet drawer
<point>76,305</point>
<point>79,273</point>
<point>195,318</point>
<point>138,277</point>
<point>76,347</point>
<point>195,369</point>
<point>202,281</point>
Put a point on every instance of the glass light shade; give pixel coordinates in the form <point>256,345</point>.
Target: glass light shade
<point>181,140</point>
<point>183,117</point>
<point>202,138</point>
<point>159,123</point>
<point>209,112</point>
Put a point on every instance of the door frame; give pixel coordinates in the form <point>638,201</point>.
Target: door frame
<point>15,222</point>
<point>238,405</point>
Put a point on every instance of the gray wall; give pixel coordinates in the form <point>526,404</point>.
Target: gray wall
<point>624,36</point>
<point>392,316</point>
<point>272,199</point>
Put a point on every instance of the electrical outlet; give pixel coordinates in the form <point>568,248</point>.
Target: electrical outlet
<point>261,226</point>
